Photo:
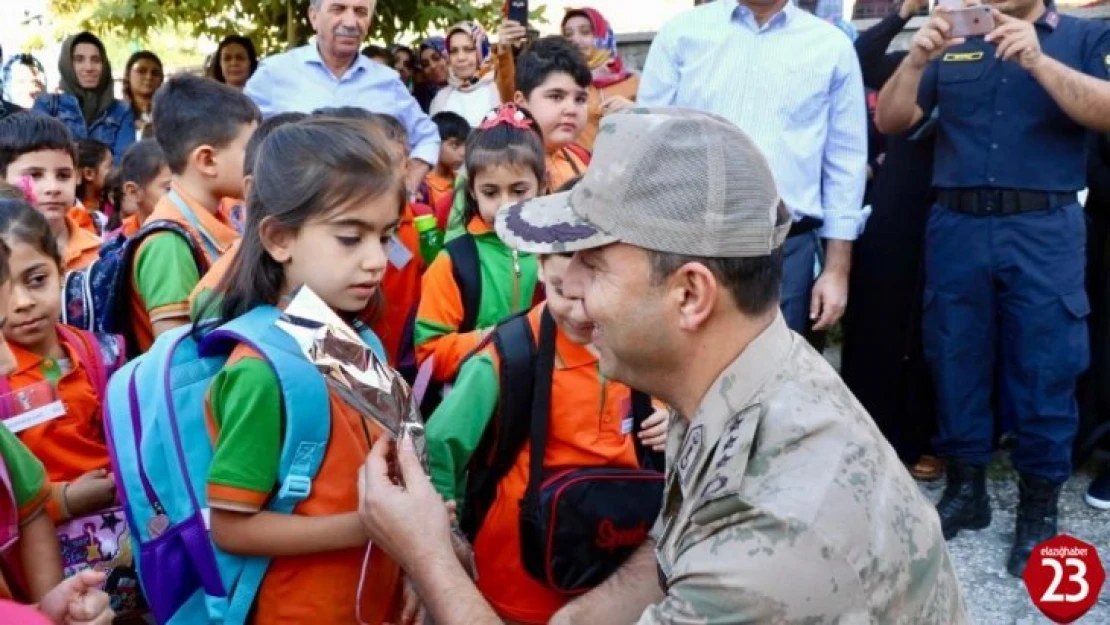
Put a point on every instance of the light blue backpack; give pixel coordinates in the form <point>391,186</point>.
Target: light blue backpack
<point>161,452</point>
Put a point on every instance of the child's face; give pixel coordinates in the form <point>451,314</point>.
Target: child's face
<point>503,185</point>
<point>559,106</point>
<point>36,299</point>
<point>463,55</point>
<point>229,164</point>
<point>143,199</point>
<point>97,177</point>
<point>54,180</point>
<point>342,255</point>
<point>568,312</point>
<point>452,153</point>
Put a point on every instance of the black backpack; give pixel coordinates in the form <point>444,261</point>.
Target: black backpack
<point>467,272</point>
<point>522,367</point>
<point>466,269</point>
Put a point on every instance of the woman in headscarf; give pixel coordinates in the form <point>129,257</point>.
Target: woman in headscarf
<point>24,80</point>
<point>87,104</point>
<point>234,62</point>
<point>142,76</point>
<point>472,89</point>
<point>432,71</point>
<point>614,86</point>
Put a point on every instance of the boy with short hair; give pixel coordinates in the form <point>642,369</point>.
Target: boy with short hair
<point>440,182</point>
<point>203,127</point>
<point>199,299</point>
<point>37,154</point>
<point>552,82</point>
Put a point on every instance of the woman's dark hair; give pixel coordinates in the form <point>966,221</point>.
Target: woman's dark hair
<point>90,154</point>
<point>21,222</point>
<point>304,170</point>
<point>377,52</point>
<point>216,71</point>
<point>503,144</point>
<point>141,55</point>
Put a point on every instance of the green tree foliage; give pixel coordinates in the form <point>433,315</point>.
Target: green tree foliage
<point>274,25</point>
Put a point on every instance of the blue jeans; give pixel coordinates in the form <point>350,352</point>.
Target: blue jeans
<point>1005,327</point>
<point>797,279</point>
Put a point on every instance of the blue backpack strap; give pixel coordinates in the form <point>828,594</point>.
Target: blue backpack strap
<point>306,435</point>
<point>206,239</point>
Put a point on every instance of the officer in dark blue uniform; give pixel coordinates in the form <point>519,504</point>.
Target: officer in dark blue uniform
<point>1005,306</point>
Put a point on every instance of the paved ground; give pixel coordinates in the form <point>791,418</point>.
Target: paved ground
<point>996,598</point>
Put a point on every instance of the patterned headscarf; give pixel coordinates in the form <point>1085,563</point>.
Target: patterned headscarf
<point>605,59</point>
<point>484,53</point>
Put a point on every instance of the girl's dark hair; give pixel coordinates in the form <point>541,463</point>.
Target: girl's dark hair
<point>216,71</point>
<point>26,225</point>
<point>503,144</point>
<point>135,58</point>
<point>304,170</point>
<point>90,153</point>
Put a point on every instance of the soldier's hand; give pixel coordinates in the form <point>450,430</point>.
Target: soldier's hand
<point>933,39</point>
<point>909,8</point>
<point>1016,40</point>
<point>653,432</point>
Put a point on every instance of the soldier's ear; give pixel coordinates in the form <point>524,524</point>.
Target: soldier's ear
<point>694,290</point>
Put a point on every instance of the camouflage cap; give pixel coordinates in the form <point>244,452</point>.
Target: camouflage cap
<point>667,180</point>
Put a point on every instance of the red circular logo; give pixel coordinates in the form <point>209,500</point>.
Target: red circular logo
<point>1064,577</point>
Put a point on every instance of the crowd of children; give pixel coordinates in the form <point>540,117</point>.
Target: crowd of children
<point>168,240</point>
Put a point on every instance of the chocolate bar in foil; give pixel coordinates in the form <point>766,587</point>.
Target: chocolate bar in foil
<point>353,370</point>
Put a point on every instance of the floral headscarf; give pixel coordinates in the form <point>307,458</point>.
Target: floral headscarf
<point>605,59</point>
<point>484,52</point>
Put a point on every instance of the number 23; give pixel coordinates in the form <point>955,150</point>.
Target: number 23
<point>1080,577</point>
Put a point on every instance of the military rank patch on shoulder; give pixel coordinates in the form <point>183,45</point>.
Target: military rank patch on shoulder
<point>958,57</point>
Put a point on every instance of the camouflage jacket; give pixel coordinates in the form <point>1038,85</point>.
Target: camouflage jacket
<point>785,504</point>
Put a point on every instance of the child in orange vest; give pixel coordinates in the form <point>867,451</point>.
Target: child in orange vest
<point>204,151</point>
<point>324,205</point>
<point>37,155</point>
<point>505,165</point>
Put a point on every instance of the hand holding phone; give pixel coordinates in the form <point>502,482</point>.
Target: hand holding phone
<point>517,11</point>
<point>969,22</point>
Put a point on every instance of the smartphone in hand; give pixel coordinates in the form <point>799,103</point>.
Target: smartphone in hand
<point>517,11</point>
<point>970,22</point>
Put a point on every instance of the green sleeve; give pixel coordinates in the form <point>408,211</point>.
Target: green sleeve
<point>456,226</point>
<point>458,424</point>
<point>165,272</point>
<point>245,407</point>
<point>25,470</point>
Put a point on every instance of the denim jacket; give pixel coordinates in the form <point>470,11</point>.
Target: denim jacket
<point>114,127</point>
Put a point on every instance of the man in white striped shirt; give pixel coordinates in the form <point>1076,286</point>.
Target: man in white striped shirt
<point>792,82</point>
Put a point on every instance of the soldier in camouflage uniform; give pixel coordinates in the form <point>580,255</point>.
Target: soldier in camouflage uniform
<point>783,502</point>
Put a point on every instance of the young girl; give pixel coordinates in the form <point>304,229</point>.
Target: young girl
<point>50,362</point>
<point>94,164</point>
<point>23,497</point>
<point>505,165</point>
<point>325,202</point>
<point>144,178</point>
<point>472,90</point>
